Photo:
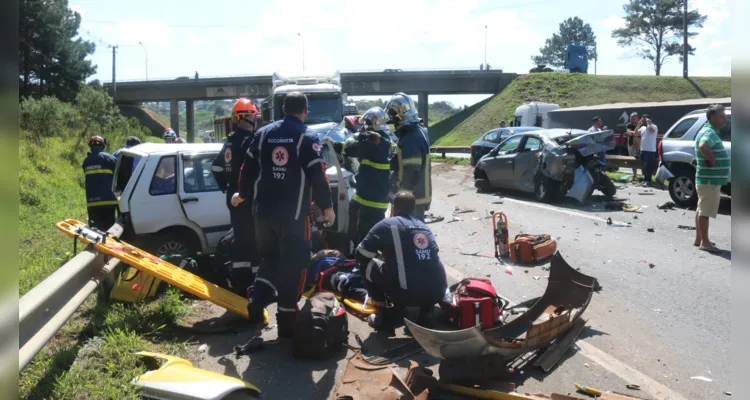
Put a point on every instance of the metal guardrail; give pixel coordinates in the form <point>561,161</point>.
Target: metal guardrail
<point>43,310</point>
<point>450,149</point>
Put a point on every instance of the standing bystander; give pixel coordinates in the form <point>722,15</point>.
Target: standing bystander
<point>647,134</point>
<point>712,172</point>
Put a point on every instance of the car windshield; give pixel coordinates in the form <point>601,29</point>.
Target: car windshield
<point>320,109</point>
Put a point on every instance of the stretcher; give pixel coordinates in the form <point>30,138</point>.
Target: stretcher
<point>156,267</point>
<point>355,307</point>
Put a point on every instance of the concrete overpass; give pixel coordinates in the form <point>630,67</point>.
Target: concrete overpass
<point>423,83</point>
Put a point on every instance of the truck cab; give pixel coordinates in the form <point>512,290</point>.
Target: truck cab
<point>577,58</point>
<point>533,114</point>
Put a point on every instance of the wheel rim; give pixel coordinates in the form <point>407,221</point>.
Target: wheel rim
<point>683,188</point>
<point>171,247</point>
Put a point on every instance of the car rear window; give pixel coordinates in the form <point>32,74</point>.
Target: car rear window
<point>682,127</point>
<point>726,132</point>
<point>163,182</point>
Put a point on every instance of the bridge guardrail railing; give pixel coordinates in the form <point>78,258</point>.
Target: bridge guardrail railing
<point>43,310</point>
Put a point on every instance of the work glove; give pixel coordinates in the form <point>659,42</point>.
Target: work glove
<point>236,200</point>
<point>329,217</point>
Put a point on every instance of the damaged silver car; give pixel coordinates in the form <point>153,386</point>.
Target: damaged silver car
<point>549,163</point>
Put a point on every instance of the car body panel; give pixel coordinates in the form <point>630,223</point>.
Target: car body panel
<point>487,141</point>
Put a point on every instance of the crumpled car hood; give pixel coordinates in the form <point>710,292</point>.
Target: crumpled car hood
<point>556,159</point>
<point>330,129</point>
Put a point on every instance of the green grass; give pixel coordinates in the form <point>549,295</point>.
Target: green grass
<point>451,160</point>
<point>154,139</point>
<point>571,90</point>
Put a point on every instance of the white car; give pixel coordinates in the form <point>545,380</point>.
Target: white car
<point>170,202</point>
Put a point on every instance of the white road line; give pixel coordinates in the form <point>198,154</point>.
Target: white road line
<point>563,211</point>
<point>613,365</point>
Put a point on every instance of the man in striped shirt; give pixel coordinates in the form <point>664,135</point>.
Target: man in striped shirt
<point>712,172</point>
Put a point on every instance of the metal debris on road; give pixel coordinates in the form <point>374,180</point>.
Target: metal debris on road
<point>431,219</point>
<point>203,347</point>
<point>455,219</point>
<point>269,327</point>
<point>609,221</point>
<point>509,270</point>
<point>701,378</point>
<point>452,194</point>
<point>458,210</point>
<point>254,344</point>
<point>476,254</point>
<point>633,386</point>
<point>686,227</point>
<point>650,265</point>
<point>667,206</point>
<point>536,278</point>
<point>646,193</point>
<point>650,230</point>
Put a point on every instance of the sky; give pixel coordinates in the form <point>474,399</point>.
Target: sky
<point>171,38</point>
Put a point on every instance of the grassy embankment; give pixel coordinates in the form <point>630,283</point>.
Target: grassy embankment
<point>570,90</point>
<point>51,185</point>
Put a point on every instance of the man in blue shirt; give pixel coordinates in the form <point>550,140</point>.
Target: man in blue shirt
<point>284,172</point>
<point>400,260</point>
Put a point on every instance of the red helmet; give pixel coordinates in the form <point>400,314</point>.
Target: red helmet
<point>97,141</point>
<point>246,109</point>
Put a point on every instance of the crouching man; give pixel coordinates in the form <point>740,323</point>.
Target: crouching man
<point>407,269</point>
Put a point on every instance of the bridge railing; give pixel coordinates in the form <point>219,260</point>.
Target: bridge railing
<point>436,71</point>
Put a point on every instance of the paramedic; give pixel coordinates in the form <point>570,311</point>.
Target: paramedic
<point>408,269</point>
<point>283,172</point>
<point>226,172</point>
<point>410,167</point>
<point>99,168</point>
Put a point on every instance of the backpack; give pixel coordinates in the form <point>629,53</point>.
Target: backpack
<point>530,249</point>
<point>320,327</point>
<point>471,302</point>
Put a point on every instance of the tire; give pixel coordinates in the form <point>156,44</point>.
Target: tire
<point>682,188</point>
<point>606,186</point>
<point>474,161</point>
<point>546,190</point>
<point>482,183</point>
<point>173,243</point>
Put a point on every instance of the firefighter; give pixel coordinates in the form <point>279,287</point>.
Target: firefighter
<point>226,171</point>
<point>283,172</point>
<point>169,136</point>
<point>410,167</point>
<point>373,148</point>
<point>99,168</point>
<point>399,259</point>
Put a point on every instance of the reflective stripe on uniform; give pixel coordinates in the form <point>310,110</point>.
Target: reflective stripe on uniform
<point>412,161</point>
<point>241,264</point>
<point>427,178</point>
<point>102,203</point>
<point>399,256</point>
<point>217,168</point>
<point>260,166</point>
<point>284,309</point>
<point>368,203</point>
<point>99,171</point>
<point>301,182</point>
<point>367,253</point>
<point>368,272</point>
<point>267,282</point>
<point>313,162</point>
<point>380,166</point>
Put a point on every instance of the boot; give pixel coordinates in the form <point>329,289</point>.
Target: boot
<point>285,324</point>
<point>256,314</point>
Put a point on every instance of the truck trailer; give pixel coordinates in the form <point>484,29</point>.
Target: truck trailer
<point>614,116</point>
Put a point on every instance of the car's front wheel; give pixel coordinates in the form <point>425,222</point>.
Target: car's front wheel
<point>481,182</point>
<point>682,188</point>
<point>173,243</point>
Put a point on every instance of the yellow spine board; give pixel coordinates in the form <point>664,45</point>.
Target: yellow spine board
<point>353,306</point>
<point>160,269</point>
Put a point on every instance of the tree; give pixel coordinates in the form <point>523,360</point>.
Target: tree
<point>572,31</point>
<point>654,27</point>
<point>219,111</point>
<point>52,58</point>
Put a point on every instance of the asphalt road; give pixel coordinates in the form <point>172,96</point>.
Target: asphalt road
<point>653,326</point>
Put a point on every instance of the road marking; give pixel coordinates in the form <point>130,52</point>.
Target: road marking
<point>611,364</point>
<point>627,373</point>
<point>563,211</point>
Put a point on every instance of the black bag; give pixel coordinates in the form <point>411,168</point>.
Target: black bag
<point>321,326</point>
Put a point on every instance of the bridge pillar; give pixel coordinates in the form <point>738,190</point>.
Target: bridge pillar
<point>174,115</point>
<point>190,120</point>
<point>423,106</point>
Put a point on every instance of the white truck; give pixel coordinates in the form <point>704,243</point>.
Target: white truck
<point>533,114</point>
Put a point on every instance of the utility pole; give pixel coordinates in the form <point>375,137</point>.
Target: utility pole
<point>145,51</point>
<point>485,45</point>
<point>596,57</point>
<point>685,40</point>
<point>114,82</point>
<point>303,50</point>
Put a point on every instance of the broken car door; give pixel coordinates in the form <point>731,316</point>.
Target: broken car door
<point>526,163</point>
<point>499,168</point>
